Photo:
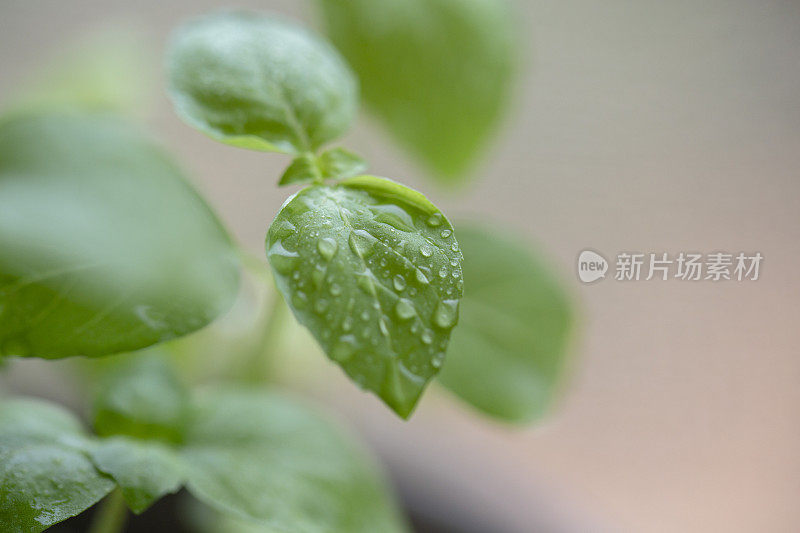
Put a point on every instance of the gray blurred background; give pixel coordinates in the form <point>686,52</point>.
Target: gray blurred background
<point>639,125</point>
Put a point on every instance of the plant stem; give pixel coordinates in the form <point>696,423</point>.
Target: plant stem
<point>256,368</point>
<point>112,515</point>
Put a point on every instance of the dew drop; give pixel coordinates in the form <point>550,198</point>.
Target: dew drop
<point>300,300</point>
<point>347,323</point>
<point>361,243</point>
<point>399,282</point>
<point>327,248</point>
<point>384,327</point>
<point>443,272</point>
<point>454,246</point>
<point>427,336</point>
<point>421,277</point>
<point>320,306</point>
<point>445,233</point>
<point>317,277</point>
<point>446,313</point>
<point>335,289</point>
<point>344,349</point>
<point>437,360</point>
<point>282,259</point>
<point>404,309</point>
<point>365,283</point>
<point>435,219</point>
<point>282,229</point>
<point>425,250</point>
<point>364,315</point>
<point>394,216</point>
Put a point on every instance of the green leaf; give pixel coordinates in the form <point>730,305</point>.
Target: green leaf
<point>45,475</point>
<point>261,83</point>
<point>508,355</point>
<point>373,269</point>
<point>303,169</point>
<point>144,470</point>
<point>261,456</point>
<point>437,72</point>
<point>332,164</point>
<point>142,398</point>
<point>105,247</point>
<point>256,456</point>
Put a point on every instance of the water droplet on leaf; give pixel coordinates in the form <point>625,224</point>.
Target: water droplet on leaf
<point>435,219</point>
<point>327,248</point>
<point>404,309</point>
<point>446,313</point>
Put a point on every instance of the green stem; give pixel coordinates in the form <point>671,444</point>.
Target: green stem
<point>112,515</point>
<point>255,368</point>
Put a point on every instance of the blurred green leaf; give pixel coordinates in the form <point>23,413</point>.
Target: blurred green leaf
<point>105,247</point>
<point>144,470</point>
<point>45,475</point>
<point>254,455</point>
<point>142,398</point>
<point>261,83</point>
<point>261,456</point>
<point>437,72</point>
<point>106,71</point>
<point>509,352</point>
<point>372,269</point>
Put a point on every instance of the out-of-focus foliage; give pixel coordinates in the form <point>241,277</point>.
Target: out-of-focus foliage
<point>45,474</point>
<point>438,73</point>
<point>255,455</point>
<point>510,349</point>
<point>105,247</point>
<point>152,406</point>
<point>108,71</point>
<point>262,456</point>
<point>373,270</point>
<point>260,82</point>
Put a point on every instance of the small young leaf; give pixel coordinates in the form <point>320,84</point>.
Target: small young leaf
<point>45,475</point>
<point>304,169</point>
<point>510,351</point>
<point>261,83</point>
<point>260,456</point>
<point>337,163</point>
<point>144,470</point>
<point>437,72</point>
<point>373,269</point>
<point>142,398</point>
<point>105,248</point>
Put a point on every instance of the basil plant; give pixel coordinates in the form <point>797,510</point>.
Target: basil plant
<point>106,248</point>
